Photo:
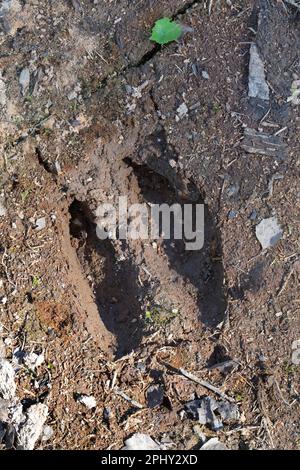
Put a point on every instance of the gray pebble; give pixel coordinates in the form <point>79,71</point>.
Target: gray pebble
<point>24,80</point>
<point>268,232</point>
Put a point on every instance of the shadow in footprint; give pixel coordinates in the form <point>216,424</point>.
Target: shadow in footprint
<point>203,268</point>
<point>115,281</point>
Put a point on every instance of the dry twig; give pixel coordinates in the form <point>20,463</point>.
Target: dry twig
<point>122,394</point>
<point>203,383</point>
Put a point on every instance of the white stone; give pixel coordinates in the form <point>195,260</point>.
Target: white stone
<point>88,401</point>
<point>258,87</point>
<point>7,380</point>
<point>32,429</point>
<point>213,444</point>
<point>47,433</point>
<point>296,357</point>
<point>2,349</point>
<point>3,98</point>
<point>33,360</point>
<point>205,75</point>
<point>40,223</point>
<point>268,232</point>
<point>141,442</point>
<point>24,80</point>
<point>182,111</point>
<point>3,210</point>
<point>296,352</point>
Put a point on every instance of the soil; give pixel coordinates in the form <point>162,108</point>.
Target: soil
<point>99,120</point>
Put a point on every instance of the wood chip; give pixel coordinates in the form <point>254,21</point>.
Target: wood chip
<point>263,144</point>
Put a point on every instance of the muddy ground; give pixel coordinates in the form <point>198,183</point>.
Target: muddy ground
<point>97,118</point>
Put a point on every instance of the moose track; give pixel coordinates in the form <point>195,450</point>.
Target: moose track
<point>129,278</point>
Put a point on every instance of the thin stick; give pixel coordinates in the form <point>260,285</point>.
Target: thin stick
<point>6,270</point>
<point>122,394</point>
<point>203,383</point>
<point>285,283</point>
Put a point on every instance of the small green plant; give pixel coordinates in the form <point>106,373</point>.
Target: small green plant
<point>28,99</point>
<point>288,368</point>
<point>159,316</point>
<point>17,120</point>
<point>47,131</point>
<point>35,281</point>
<point>216,107</point>
<point>165,31</point>
<point>239,397</point>
<point>24,195</point>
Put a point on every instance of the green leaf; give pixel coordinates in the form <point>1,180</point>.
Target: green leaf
<point>165,30</point>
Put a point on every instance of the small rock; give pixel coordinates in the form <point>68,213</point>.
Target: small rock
<point>206,414</point>
<point>141,366</point>
<point>32,429</point>
<point>33,360</point>
<point>2,349</point>
<point>213,444</point>
<point>57,168</point>
<point>141,442</point>
<point>24,80</point>
<point>268,232</point>
<point>296,352</point>
<point>77,5</point>
<point>88,401</point>
<point>232,215</point>
<point>137,91</point>
<point>182,111</point>
<point>16,416</point>
<point>47,433</point>
<point>155,396</point>
<point>3,210</point>
<point>40,224</point>
<point>206,409</point>
<point>4,412</point>
<point>72,95</point>
<point>258,87</point>
<point>205,75</point>
<point>10,16</point>
<point>7,380</point>
<point>3,98</point>
<point>229,411</point>
<point>233,190</point>
<point>296,357</point>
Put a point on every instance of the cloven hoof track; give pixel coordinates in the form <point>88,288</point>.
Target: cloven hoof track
<point>115,268</point>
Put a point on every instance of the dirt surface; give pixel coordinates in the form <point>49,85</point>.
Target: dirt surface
<point>98,119</point>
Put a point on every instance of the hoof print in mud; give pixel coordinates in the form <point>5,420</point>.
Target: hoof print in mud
<point>141,285</point>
